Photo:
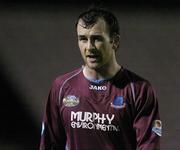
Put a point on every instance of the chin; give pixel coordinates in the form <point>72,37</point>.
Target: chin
<point>93,66</point>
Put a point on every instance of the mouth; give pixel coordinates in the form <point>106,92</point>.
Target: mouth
<point>93,55</point>
<point>93,58</point>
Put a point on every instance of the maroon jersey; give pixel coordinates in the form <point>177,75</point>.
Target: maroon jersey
<point>120,113</point>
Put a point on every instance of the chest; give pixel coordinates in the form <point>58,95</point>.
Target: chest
<point>97,107</point>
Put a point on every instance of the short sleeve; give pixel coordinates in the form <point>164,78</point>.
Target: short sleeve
<point>147,122</point>
<point>52,135</point>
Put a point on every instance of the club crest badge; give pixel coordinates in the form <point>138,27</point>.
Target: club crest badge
<point>70,101</point>
<point>157,127</point>
<point>118,102</point>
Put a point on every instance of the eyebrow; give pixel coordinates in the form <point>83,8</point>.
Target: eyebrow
<point>81,35</point>
<point>94,35</point>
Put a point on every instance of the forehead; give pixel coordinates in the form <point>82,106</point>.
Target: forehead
<point>99,27</point>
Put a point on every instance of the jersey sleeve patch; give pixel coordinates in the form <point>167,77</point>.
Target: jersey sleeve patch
<point>42,128</point>
<point>157,127</point>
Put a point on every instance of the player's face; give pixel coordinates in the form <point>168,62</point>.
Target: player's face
<point>95,45</point>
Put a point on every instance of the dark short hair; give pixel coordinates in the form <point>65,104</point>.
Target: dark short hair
<point>91,16</point>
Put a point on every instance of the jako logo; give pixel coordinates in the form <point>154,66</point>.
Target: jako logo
<point>97,87</point>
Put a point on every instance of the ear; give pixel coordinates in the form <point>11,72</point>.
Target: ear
<point>115,41</point>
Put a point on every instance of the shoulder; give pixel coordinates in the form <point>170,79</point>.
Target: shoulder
<point>61,79</point>
<point>144,92</point>
<point>136,78</point>
<point>140,83</point>
<point>67,75</point>
<point>59,82</point>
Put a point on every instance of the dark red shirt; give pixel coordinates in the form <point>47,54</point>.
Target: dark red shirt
<point>120,113</point>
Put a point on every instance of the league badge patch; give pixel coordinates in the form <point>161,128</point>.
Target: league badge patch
<point>118,102</point>
<point>157,127</point>
<point>70,101</point>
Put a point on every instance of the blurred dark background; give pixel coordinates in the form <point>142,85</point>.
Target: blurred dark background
<point>38,42</point>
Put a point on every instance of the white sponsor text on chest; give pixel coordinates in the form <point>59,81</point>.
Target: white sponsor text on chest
<point>91,117</point>
<point>93,121</point>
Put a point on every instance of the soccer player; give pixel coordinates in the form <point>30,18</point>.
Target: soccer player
<point>101,105</point>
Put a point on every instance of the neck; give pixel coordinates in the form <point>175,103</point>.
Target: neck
<point>101,73</point>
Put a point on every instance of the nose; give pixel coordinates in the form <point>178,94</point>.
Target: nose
<point>90,45</point>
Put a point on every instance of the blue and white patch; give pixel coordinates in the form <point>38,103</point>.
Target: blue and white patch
<point>70,101</point>
<point>157,127</point>
<point>67,147</point>
<point>118,102</point>
<point>42,128</point>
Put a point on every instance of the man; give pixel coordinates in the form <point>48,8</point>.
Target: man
<point>102,105</point>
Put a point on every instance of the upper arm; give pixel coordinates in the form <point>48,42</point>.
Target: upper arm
<point>53,134</point>
<point>146,119</point>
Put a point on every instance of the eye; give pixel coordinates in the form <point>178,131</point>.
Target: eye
<point>82,39</point>
<point>98,39</point>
